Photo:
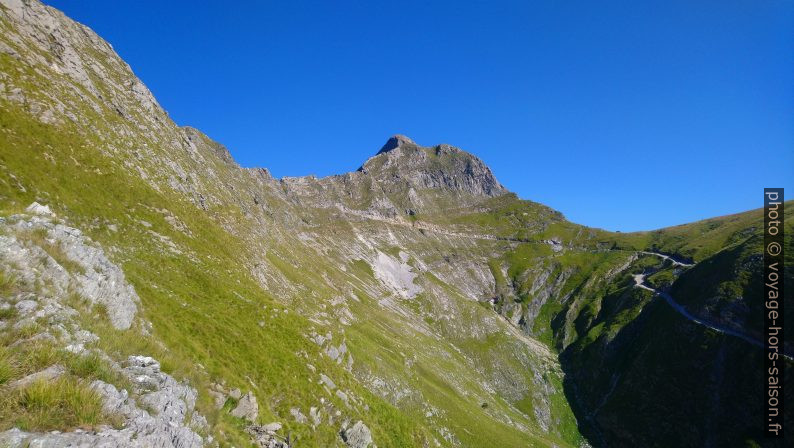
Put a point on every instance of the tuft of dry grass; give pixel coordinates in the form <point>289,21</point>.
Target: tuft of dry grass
<point>8,283</point>
<point>8,368</point>
<point>62,404</point>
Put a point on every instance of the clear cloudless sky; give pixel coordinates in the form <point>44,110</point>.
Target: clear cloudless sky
<point>624,115</point>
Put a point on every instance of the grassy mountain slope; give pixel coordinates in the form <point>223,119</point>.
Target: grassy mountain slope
<point>414,295</point>
<point>238,280</point>
<point>639,373</point>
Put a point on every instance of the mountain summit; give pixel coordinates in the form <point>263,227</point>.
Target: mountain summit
<point>402,179</point>
<point>439,167</point>
<point>395,142</point>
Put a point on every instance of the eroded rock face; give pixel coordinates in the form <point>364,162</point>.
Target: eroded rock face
<point>396,274</point>
<point>30,250</point>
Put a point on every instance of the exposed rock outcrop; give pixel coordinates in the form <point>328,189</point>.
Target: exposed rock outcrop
<point>401,180</point>
<point>266,436</point>
<point>48,261</point>
<point>247,408</point>
<point>163,423</point>
<point>49,374</point>
<point>31,251</point>
<point>357,436</point>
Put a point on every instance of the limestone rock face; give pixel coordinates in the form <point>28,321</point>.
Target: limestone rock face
<point>49,260</point>
<point>171,399</point>
<point>84,266</point>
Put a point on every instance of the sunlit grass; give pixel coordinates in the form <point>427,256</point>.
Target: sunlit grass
<point>62,404</point>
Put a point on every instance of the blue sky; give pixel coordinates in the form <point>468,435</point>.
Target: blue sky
<point>623,115</point>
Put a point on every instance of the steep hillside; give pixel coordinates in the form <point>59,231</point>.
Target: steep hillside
<point>321,313</point>
<point>153,292</point>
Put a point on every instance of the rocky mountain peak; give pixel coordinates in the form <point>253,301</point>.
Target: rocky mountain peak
<point>440,167</point>
<point>396,141</point>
